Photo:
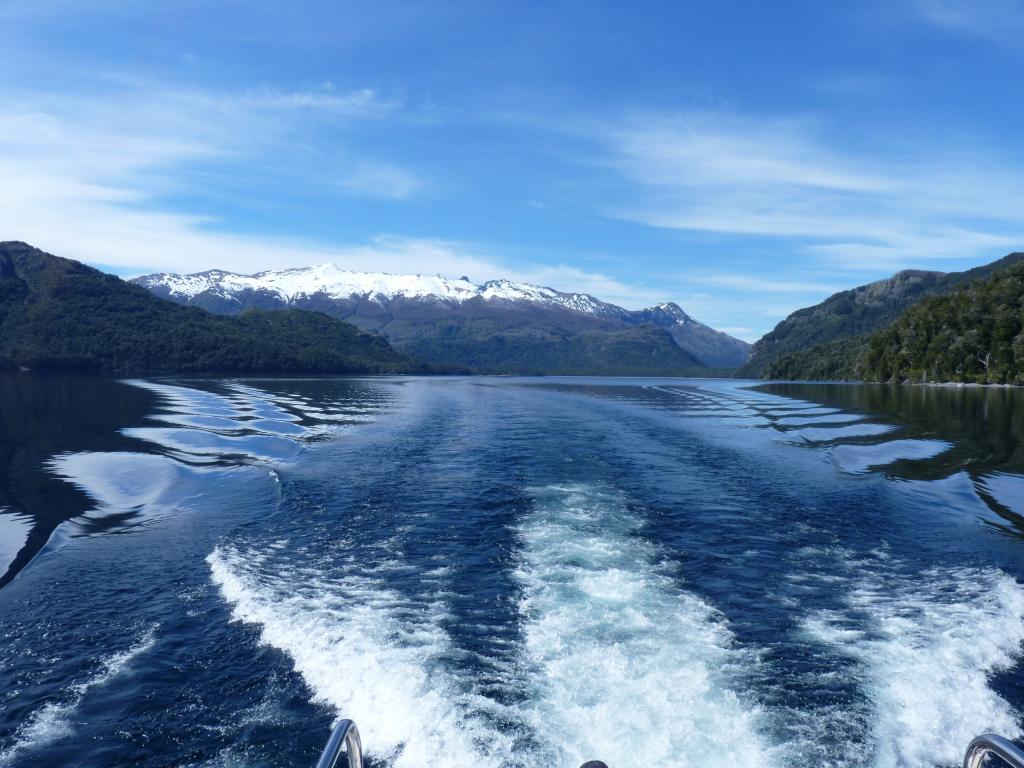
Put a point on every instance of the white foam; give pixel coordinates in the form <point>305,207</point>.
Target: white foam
<point>362,652</point>
<point>628,667</point>
<point>618,661</point>
<point>926,647</point>
<point>52,721</point>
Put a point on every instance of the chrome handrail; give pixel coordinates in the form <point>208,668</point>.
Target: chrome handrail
<point>991,744</point>
<point>345,734</point>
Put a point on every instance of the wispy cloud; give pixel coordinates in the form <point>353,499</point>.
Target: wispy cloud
<point>86,183</point>
<point>572,279</point>
<point>361,102</point>
<point>85,176</point>
<point>380,180</point>
<point>999,20</point>
<point>138,136</point>
<point>861,209</point>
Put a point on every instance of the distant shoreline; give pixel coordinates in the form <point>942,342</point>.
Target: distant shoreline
<point>907,383</point>
<point>958,384</point>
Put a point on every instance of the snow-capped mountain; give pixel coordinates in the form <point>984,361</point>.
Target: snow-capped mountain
<point>332,282</point>
<point>499,325</point>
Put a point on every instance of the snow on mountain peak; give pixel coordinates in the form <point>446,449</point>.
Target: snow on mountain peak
<point>677,313</point>
<point>336,283</point>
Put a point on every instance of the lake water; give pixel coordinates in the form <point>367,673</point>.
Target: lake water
<point>504,572</point>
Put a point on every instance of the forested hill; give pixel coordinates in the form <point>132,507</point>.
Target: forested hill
<point>975,334</point>
<point>58,314</point>
<point>826,340</point>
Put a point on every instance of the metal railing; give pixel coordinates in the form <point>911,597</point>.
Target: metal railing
<point>990,744</point>
<point>345,741</point>
<point>346,736</point>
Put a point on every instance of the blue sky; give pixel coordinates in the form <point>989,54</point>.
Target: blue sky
<point>743,159</point>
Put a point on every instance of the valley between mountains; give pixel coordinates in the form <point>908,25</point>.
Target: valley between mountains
<point>58,314</point>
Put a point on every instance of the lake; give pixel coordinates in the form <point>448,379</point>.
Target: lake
<point>504,572</point>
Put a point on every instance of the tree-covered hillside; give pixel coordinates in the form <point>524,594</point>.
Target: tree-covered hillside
<point>834,360</point>
<point>57,314</point>
<point>975,334</point>
<point>787,350</point>
<point>826,340</point>
<point>645,350</point>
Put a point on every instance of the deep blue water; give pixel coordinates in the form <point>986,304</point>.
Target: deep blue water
<point>504,572</point>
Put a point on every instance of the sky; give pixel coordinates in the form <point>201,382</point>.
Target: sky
<point>743,159</point>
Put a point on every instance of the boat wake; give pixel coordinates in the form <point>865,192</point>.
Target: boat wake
<point>368,653</point>
<point>627,666</point>
<point>620,663</point>
<point>54,720</point>
<point>924,648</point>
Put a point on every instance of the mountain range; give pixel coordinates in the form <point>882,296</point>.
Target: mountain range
<point>500,326</point>
<point>58,314</point>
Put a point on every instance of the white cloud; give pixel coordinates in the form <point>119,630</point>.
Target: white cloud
<point>361,102</point>
<point>84,178</point>
<point>85,188</point>
<point>864,210</point>
<point>148,138</point>
<point>706,150</point>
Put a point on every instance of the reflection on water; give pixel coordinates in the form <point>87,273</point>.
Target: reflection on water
<point>14,531</point>
<point>861,458</point>
<point>82,455</point>
<point>909,433</point>
<point>42,417</point>
<point>934,433</point>
<point>1004,490</point>
<point>984,424</point>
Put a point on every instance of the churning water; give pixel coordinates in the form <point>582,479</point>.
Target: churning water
<point>508,572</point>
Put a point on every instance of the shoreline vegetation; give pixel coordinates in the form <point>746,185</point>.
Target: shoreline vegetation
<point>905,383</point>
